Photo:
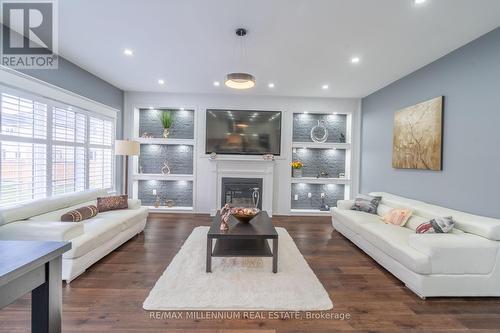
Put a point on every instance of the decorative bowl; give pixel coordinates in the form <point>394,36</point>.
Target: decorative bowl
<point>244,214</point>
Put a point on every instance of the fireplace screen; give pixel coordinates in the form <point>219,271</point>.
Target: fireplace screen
<point>242,192</point>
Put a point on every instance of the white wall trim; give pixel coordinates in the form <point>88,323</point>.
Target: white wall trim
<point>32,85</point>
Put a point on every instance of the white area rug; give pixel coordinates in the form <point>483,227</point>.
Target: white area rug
<point>237,283</point>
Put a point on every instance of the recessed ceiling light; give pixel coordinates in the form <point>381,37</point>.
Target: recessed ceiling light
<point>128,52</point>
<point>216,83</point>
<point>306,112</point>
<point>151,108</point>
<point>355,60</point>
<point>161,81</point>
<point>271,85</point>
<point>324,87</point>
<point>419,2</point>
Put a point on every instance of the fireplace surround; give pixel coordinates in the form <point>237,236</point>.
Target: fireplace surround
<point>260,172</point>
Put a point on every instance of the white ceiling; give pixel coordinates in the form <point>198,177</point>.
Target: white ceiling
<point>297,44</point>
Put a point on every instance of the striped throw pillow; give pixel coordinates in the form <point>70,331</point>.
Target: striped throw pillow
<point>80,214</point>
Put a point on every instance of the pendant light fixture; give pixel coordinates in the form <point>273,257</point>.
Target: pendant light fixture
<point>240,80</point>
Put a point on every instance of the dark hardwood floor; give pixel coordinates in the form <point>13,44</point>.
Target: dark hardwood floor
<point>108,297</point>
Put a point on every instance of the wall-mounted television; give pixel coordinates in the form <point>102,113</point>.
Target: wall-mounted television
<point>243,132</point>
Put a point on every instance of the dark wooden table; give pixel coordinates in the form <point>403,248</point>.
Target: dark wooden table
<point>242,239</point>
<point>34,266</point>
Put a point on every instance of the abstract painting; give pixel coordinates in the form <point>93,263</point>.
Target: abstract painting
<point>417,140</point>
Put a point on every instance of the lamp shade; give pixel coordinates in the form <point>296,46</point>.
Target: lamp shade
<point>127,148</point>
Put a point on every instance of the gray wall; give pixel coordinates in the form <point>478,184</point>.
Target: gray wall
<point>469,79</point>
<point>75,79</point>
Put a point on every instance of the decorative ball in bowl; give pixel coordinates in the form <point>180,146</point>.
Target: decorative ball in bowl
<point>244,214</point>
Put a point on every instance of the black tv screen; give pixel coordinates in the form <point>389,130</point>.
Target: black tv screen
<point>243,132</point>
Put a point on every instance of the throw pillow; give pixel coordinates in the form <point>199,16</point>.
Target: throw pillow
<point>436,225</point>
<point>111,203</point>
<point>397,216</point>
<point>80,214</point>
<point>366,203</point>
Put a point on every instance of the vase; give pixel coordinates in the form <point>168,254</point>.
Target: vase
<point>296,173</point>
<point>166,132</point>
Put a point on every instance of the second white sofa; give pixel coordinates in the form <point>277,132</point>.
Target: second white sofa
<point>465,262</point>
<point>91,239</point>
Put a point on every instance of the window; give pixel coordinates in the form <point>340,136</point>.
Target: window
<point>48,148</point>
<point>100,153</point>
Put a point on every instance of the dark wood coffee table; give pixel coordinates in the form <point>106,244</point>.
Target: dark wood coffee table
<point>242,239</point>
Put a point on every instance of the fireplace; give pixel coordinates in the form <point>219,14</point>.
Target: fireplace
<point>242,192</point>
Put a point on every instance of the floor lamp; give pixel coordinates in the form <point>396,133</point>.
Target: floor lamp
<point>127,148</point>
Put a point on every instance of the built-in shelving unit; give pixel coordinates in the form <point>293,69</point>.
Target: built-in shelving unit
<point>173,192</point>
<point>326,175</point>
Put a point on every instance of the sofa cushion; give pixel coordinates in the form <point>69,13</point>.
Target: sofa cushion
<point>37,207</point>
<point>41,230</point>
<point>353,219</point>
<point>55,215</point>
<point>393,241</point>
<point>456,253</point>
<point>103,228</point>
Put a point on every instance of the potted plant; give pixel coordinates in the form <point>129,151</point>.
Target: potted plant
<point>166,121</point>
<point>296,169</point>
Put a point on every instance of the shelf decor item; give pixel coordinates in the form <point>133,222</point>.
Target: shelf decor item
<point>166,169</point>
<point>342,138</point>
<point>225,212</point>
<point>322,174</point>
<point>319,133</point>
<point>169,203</point>
<point>296,169</point>
<point>166,121</point>
<point>157,202</point>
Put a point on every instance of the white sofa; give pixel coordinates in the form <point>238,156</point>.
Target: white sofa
<point>91,239</point>
<point>465,262</point>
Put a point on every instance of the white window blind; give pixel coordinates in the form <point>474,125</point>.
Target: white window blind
<point>24,168</point>
<point>24,118</point>
<point>100,153</point>
<point>49,148</point>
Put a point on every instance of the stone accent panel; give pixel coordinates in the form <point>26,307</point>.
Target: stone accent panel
<point>331,161</point>
<point>182,126</point>
<point>303,123</point>
<point>180,191</point>
<point>179,157</point>
<point>333,193</point>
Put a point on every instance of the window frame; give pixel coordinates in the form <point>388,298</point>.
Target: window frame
<point>49,142</point>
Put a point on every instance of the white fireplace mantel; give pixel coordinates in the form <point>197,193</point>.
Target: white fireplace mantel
<point>229,168</point>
